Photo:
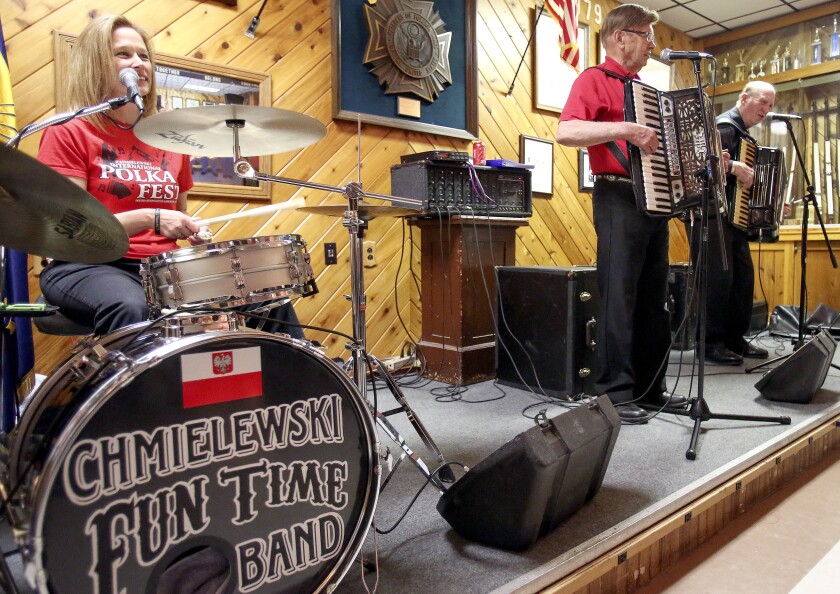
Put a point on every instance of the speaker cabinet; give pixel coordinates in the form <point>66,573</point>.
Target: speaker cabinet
<point>799,376</point>
<point>683,312</point>
<point>541,477</point>
<point>546,328</point>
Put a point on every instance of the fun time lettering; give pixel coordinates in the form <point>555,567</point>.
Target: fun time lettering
<point>153,522</point>
<point>101,467</point>
<point>309,481</point>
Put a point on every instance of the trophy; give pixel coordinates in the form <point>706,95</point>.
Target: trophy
<point>724,70</point>
<point>786,59</point>
<point>816,47</point>
<point>752,70</point>
<point>776,62</point>
<point>740,67</point>
<point>761,69</point>
<point>834,44</point>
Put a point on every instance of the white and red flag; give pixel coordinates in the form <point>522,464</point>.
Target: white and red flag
<point>565,12</point>
<point>221,376</point>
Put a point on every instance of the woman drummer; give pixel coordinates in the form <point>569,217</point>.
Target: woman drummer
<point>144,187</point>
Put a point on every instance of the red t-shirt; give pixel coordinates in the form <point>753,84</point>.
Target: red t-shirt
<point>598,97</point>
<point>122,172</point>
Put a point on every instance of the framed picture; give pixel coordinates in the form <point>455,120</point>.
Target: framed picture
<point>538,152</point>
<point>586,181</point>
<point>553,77</point>
<point>186,82</point>
<point>412,77</point>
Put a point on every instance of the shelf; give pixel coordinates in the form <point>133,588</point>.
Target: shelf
<point>783,77</point>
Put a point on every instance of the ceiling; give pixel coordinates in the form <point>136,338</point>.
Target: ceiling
<point>701,18</point>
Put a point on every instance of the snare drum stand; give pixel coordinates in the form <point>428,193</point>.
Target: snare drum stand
<point>698,410</point>
<point>356,226</point>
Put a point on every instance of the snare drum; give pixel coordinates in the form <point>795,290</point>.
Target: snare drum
<point>154,457</point>
<point>228,273</point>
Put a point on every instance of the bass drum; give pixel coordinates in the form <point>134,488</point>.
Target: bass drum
<point>159,462</point>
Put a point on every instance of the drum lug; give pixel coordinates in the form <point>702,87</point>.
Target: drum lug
<point>238,277</point>
<point>88,365</point>
<point>173,283</point>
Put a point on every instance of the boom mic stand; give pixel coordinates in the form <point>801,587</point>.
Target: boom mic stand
<point>698,410</point>
<point>809,198</point>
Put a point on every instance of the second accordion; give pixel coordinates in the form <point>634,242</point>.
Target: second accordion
<point>759,207</point>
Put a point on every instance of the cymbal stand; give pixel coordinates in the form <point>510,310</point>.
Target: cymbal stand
<point>808,198</point>
<point>356,227</point>
<point>698,410</point>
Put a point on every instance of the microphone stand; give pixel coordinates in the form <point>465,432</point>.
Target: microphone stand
<point>698,410</point>
<point>356,227</point>
<point>809,198</point>
<point>63,118</point>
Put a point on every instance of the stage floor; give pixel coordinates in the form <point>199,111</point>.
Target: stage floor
<point>647,473</point>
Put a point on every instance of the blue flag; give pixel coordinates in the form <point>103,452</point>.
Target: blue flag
<point>18,349</point>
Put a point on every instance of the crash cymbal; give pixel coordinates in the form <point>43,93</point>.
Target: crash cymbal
<point>366,211</point>
<point>46,214</point>
<point>204,131</point>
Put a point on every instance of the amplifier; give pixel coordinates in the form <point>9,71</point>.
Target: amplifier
<point>680,287</point>
<point>445,188</point>
<point>546,329</point>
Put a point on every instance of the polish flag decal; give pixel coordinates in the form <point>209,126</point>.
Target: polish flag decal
<point>221,376</point>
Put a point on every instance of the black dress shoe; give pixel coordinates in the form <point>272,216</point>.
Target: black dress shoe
<point>631,413</point>
<point>754,352</point>
<point>723,356</point>
<point>665,399</point>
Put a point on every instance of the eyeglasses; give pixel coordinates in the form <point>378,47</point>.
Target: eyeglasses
<point>648,35</point>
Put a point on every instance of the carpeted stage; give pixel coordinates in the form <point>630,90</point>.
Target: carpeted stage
<point>648,477</point>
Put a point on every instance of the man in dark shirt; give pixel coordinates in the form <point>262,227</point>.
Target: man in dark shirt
<point>633,330</point>
<point>729,295</point>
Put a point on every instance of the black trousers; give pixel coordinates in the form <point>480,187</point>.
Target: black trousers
<point>729,293</point>
<point>633,329</point>
<point>110,296</point>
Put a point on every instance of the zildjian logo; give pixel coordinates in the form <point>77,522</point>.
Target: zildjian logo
<point>179,138</point>
<point>408,48</point>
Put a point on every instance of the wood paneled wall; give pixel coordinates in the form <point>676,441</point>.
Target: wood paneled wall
<point>293,45</point>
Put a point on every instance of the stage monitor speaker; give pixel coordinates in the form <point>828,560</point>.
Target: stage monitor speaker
<point>799,377</point>
<point>541,477</point>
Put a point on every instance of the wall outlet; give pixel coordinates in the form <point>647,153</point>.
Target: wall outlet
<point>369,253</point>
<point>330,254</point>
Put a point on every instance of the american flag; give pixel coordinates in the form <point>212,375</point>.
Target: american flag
<point>565,12</point>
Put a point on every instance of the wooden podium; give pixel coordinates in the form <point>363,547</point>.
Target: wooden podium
<point>459,255</point>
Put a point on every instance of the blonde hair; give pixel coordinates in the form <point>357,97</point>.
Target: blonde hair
<point>628,16</point>
<point>91,69</point>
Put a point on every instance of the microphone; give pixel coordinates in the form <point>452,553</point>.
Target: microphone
<point>129,77</point>
<point>782,117</point>
<point>667,55</point>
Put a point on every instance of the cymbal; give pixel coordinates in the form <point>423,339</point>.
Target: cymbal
<point>46,214</point>
<point>366,211</point>
<point>203,131</point>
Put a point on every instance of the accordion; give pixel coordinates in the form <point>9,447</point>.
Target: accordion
<point>670,181</point>
<point>759,207</point>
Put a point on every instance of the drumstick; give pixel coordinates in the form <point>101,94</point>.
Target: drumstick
<point>255,212</point>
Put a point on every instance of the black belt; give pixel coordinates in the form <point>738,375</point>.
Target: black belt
<point>610,177</point>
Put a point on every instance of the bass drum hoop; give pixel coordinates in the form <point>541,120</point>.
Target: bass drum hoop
<point>96,400</point>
